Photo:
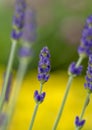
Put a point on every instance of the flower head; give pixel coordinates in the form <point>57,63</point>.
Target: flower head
<point>79,123</point>
<point>73,70</point>
<point>18,19</point>
<point>29,30</point>
<point>88,84</point>
<point>44,65</point>
<point>85,48</point>
<point>39,97</point>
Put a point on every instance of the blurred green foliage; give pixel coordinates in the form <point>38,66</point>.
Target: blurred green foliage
<point>62,52</point>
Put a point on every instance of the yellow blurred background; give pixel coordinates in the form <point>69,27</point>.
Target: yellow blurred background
<point>60,24</point>
<point>47,111</point>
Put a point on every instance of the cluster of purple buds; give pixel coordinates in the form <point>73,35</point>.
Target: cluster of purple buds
<point>39,97</point>
<point>29,30</point>
<point>44,65</point>
<point>73,70</point>
<point>18,19</point>
<point>29,34</point>
<point>79,123</point>
<point>85,48</point>
<point>88,84</point>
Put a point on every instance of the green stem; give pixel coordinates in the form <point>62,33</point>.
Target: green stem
<point>35,110</point>
<point>65,96</point>
<point>85,105</point>
<point>63,103</point>
<point>20,75</point>
<point>79,61</point>
<point>7,74</point>
<point>84,108</point>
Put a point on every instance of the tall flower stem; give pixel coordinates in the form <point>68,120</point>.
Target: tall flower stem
<point>8,71</point>
<point>16,89</point>
<point>65,96</point>
<point>35,110</point>
<point>84,108</point>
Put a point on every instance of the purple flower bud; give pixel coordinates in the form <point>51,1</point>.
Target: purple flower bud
<point>73,70</point>
<point>16,34</point>
<point>44,65</point>
<point>79,123</point>
<point>39,97</point>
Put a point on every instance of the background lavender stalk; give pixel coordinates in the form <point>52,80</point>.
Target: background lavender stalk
<point>25,54</point>
<point>83,50</point>
<point>73,71</point>
<point>88,86</point>
<point>15,35</point>
<point>81,122</point>
<point>43,76</point>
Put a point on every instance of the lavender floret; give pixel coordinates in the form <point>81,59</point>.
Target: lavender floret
<point>39,97</point>
<point>79,123</point>
<point>73,70</point>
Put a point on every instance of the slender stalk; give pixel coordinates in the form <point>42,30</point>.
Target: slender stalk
<point>79,61</point>
<point>84,108</point>
<point>20,75</point>
<point>65,96</point>
<point>35,110</point>
<point>8,71</point>
<point>63,103</point>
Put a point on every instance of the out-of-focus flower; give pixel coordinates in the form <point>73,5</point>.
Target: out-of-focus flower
<point>25,52</point>
<point>30,26</point>
<point>18,19</point>
<point>44,65</point>
<point>73,70</point>
<point>85,48</point>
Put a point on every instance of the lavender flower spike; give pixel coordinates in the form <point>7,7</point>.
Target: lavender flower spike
<point>85,48</point>
<point>44,65</point>
<point>43,76</point>
<point>88,84</point>
<point>30,26</point>
<point>18,19</point>
<point>79,123</point>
